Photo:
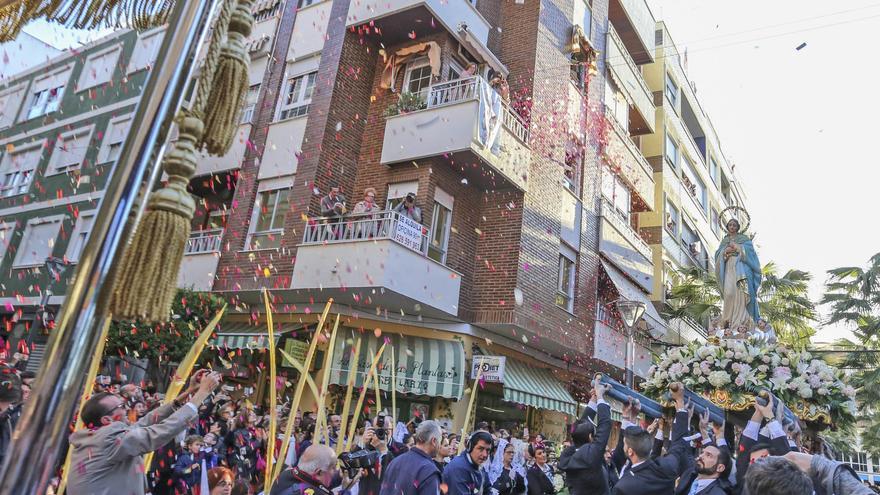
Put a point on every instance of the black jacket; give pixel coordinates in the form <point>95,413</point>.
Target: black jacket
<point>778,446</point>
<point>510,483</point>
<point>657,476</point>
<point>371,484</point>
<point>720,486</point>
<point>295,482</point>
<point>539,484</point>
<point>584,465</point>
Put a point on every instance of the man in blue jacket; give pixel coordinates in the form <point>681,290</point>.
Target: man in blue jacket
<point>415,473</point>
<point>463,475</point>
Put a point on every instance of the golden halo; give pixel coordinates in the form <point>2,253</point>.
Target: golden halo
<point>737,213</point>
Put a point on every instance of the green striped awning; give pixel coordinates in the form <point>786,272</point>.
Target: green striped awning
<point>243,335</point>
<point>536,387</point>
<point>431,367</point>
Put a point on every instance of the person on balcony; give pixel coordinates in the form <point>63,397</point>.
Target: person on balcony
<point>364,215</point>
<point>408,208</point>
<point>332,209</point>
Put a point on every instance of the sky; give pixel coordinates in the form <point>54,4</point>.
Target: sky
<point>798,124</point>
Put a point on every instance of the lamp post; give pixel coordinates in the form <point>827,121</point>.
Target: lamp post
<point>630,313</point>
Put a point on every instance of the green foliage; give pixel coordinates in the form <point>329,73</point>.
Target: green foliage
<point>783,301</point>
<point>406,102</point>
<point>165,342</point>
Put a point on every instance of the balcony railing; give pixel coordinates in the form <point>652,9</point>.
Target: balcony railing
<point>631,146</point>
<point>458,90</point>
<point>623,226</point>
<point>385,224</point>
<point>204,241</point>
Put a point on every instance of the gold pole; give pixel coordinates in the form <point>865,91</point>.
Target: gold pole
<point>186,365</point>
<point>273,397</point>
<point>297,395</point>
<point>313,388</point>
<point>360,402</point>
<point>352,373</point>
<point>467,418</point>
<point>321,424</point>
<point>87,392</point>
<point>393,385</point>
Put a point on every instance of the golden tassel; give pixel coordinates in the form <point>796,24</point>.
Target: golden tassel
<point>230,85</point>
<point>147,278</point>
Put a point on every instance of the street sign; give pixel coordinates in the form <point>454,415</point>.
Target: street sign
<point>493,368</point>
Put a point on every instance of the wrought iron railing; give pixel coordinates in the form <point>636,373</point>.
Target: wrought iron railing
<point>204,241</point>
<point>386,224</point>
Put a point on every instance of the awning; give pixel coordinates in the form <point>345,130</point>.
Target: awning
<point>242,335</point>
<point>431,367</point>
<point>536,387</point>
<point>628,290</point>
<point>479,50</point>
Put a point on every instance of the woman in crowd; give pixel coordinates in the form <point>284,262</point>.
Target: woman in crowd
<point>243,445</point>
<point>220,481</point>
<point>540,475</point>
<point>506,478</point>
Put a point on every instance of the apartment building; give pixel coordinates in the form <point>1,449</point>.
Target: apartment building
<point>62,126</point>
<point>694,179</point>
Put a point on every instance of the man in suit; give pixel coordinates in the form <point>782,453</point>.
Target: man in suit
<point>753,444</point>
<point>708,475</point>
<point>643,475</point>
<point>583,462</point>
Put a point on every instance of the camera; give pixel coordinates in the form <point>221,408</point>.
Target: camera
<point>362,459</point>
<point>379,430</point>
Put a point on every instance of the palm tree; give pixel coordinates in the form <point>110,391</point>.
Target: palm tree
<point>783,301</point>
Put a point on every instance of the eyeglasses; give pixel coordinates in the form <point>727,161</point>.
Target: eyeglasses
<point>121,405</point>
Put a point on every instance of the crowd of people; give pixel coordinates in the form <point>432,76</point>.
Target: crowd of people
<point>205,442</point>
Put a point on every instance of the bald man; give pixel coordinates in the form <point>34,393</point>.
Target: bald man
<point>315,472</point>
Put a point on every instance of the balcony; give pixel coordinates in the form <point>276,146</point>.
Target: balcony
<point>623,153</point>
<point>623,246</point>
<point>468,120</point>
<point>682,254</point>
<point>609,345</point>
<point>200,257</point>
<point>630,80</point>
<point>635,23</point>
<point>377,260</point>
<point>399,17</point>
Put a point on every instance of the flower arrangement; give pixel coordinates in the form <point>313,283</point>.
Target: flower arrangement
<point>406,102</point>
<point>736,369</point>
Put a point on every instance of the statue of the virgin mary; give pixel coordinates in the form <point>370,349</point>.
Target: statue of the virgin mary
<point>739,276</point>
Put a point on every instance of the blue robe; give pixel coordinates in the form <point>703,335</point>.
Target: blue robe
<point>748,269</point>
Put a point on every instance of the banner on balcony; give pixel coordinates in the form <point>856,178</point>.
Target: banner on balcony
<point>493,368</point>
<point>408,232</point>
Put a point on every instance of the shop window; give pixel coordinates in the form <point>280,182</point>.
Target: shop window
<point>37,242</point>
<point>18,168</point>
<point>267,225</point>
<point>298,96</point>
<point>418,78</point>
<point>80,235</point>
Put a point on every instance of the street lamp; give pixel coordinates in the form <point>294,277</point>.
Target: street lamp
<point>631,313</point>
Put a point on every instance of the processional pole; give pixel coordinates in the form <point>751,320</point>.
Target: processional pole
<point>37,441</point>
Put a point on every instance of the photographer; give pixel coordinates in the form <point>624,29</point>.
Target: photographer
<point>314,474</point>
<point>414,473</point>
<point>378,439</point>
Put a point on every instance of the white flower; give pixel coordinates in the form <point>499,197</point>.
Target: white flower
<point>740,381</point>
<point>719,378</point>
<point>822,391</point>
<point>728,354</point>
<point>702,379</point>
<point>763,368</point>
<point>765,358</point>
<point>805,392</point>
<point>849,391</point>
<point>785,361</point>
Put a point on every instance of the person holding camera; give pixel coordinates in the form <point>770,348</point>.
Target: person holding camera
<point>415,473</point>
<point>408,208</point>
<point>378,439</point>
<point>313,475</point>
<point>464,474</point>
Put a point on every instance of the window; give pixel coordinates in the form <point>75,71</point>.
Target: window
<point>441,222</point>
<point>688,234</point>
<point>398,191</point>
<point>672,91</point>
<point>418,78</point>
<point>454,71</point>
<point>6,230</point>
<point>716,227</point>
<point>672,218</point>
<point>713,170</point>
<point>99,68</point>
<point>145,50</point>
<point>268,222</point>
<point>298,96</point>
<point>695,186</point>
<point>250,102</point>
<point>615,103</point>
<point>574,163</point>
<point>264,14</point>
<point>306,3</point>
<point>565,286</point>
<point>578,72</point>
<point>18,169</point>
<point>70,150</point>
<point>671,151</point>
<point>37,242</point>
<point>47,92</point>
<point>587,20</point>
<point>10,102</point>
<point>617,194</point>
<point>114,138</point>
<point>80,235</point>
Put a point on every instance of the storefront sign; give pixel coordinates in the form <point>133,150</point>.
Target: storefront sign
<point>409,233</point>
<point>297,350</point>
<point>493,368</point>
